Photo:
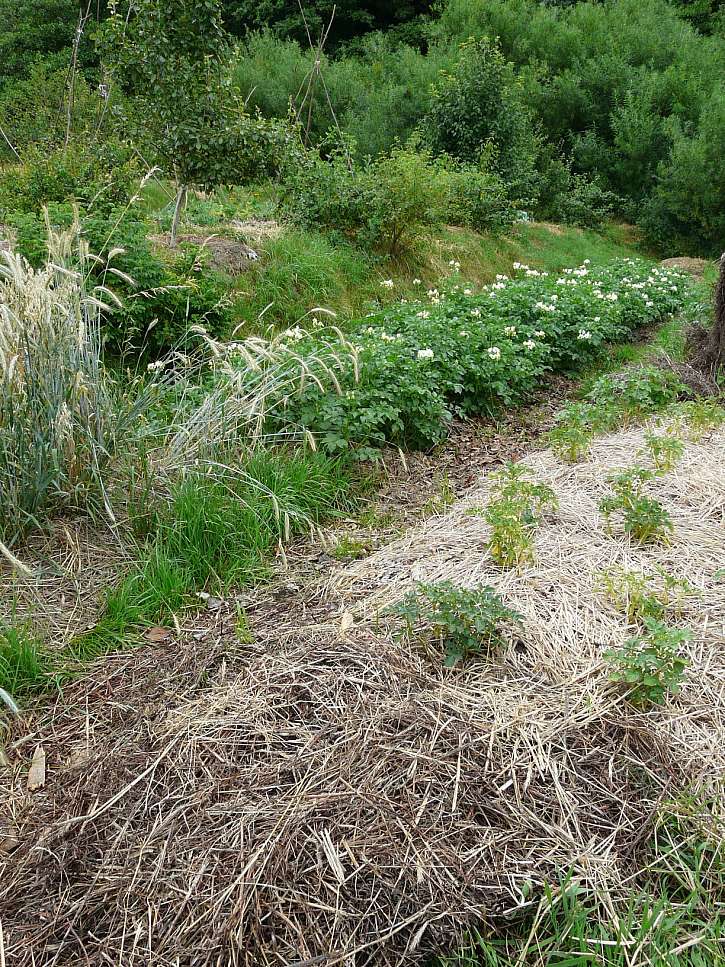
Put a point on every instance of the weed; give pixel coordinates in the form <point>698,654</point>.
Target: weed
<point>241,627</point>
<point>701,416</point>
<point>466,622</point>
<point>441,500</point>
<point>637,596</point>
<point>349,549</point>
<point>650,665</point>
<point>665,449</point>
<point>645,519</point>
<point>24,666</point>
<point>517,502</point>
<point>60,415</point>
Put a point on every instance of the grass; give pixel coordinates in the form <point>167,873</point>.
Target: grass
<point>216,533</point>
<point>23,663</point>
<point>675,918</point>
<point>212,534</point>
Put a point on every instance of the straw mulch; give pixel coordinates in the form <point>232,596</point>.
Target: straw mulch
<point>332,795</point>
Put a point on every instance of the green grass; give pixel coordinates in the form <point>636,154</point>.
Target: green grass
<point>675,919</point>
<point>300,271</point>
<point>215,533</point>
<point>23,662</point>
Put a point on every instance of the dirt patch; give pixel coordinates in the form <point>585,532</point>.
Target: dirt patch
<point>258,230</point>
<point>695,267</point>
<point>224,254</point>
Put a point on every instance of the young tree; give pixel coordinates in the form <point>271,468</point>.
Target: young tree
<point>173,57</point>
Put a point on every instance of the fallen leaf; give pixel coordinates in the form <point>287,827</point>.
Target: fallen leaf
<point>347,621</point>
<point>156,635</point>
<point>36,775</point>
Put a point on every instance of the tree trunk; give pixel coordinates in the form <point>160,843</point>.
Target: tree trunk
<point>717,336</point>
<point>705,345</point>
<point>180,199</point>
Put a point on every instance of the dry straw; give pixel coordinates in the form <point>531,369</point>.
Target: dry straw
<point>330,796</point>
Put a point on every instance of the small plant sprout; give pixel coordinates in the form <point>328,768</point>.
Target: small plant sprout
<point>571,436</point>
<point>349,549</point>
<point>665,450</point>
<point>637,595</point>
<point>701,417</point>
<point>651,664</point>
<point>464,621</point>
<point>645,519</point>
<point>441,500</point>
<point>516,505</point>
<point>241,627</point>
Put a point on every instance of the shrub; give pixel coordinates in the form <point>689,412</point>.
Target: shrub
<point>475,198</point>
<point>378,95</point>
<point>383,204</point>
<point>580,201</point>
<point>478,111</point>
<point>465,622</point>
<point>650,665</point>
<point>99,180</point>
<point>380,204</point>
<point>30,112</point>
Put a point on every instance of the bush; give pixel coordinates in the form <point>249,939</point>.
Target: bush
<point>475,198</point>
<point>30,108</point>
<point>99,180</point>
<point>378,95</point>
<point>571,198</point>
<point>379,204</point>
<point>383,204</point>
<point>478,111</point>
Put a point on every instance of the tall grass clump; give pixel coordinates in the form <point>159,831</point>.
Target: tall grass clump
<point>60,415</point>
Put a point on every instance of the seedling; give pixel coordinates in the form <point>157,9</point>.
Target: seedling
<point>441,500</point>
<point>516,505</point>
<point>571,437</point>
<point>701,416</point>
<point>465,621</point>
<point>651,663</point>
<point>349,549</point>
<point>645,519</point>
<point>636,595</point>
<point>665,449</point>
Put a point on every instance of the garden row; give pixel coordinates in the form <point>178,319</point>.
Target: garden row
<point>408,371</point>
